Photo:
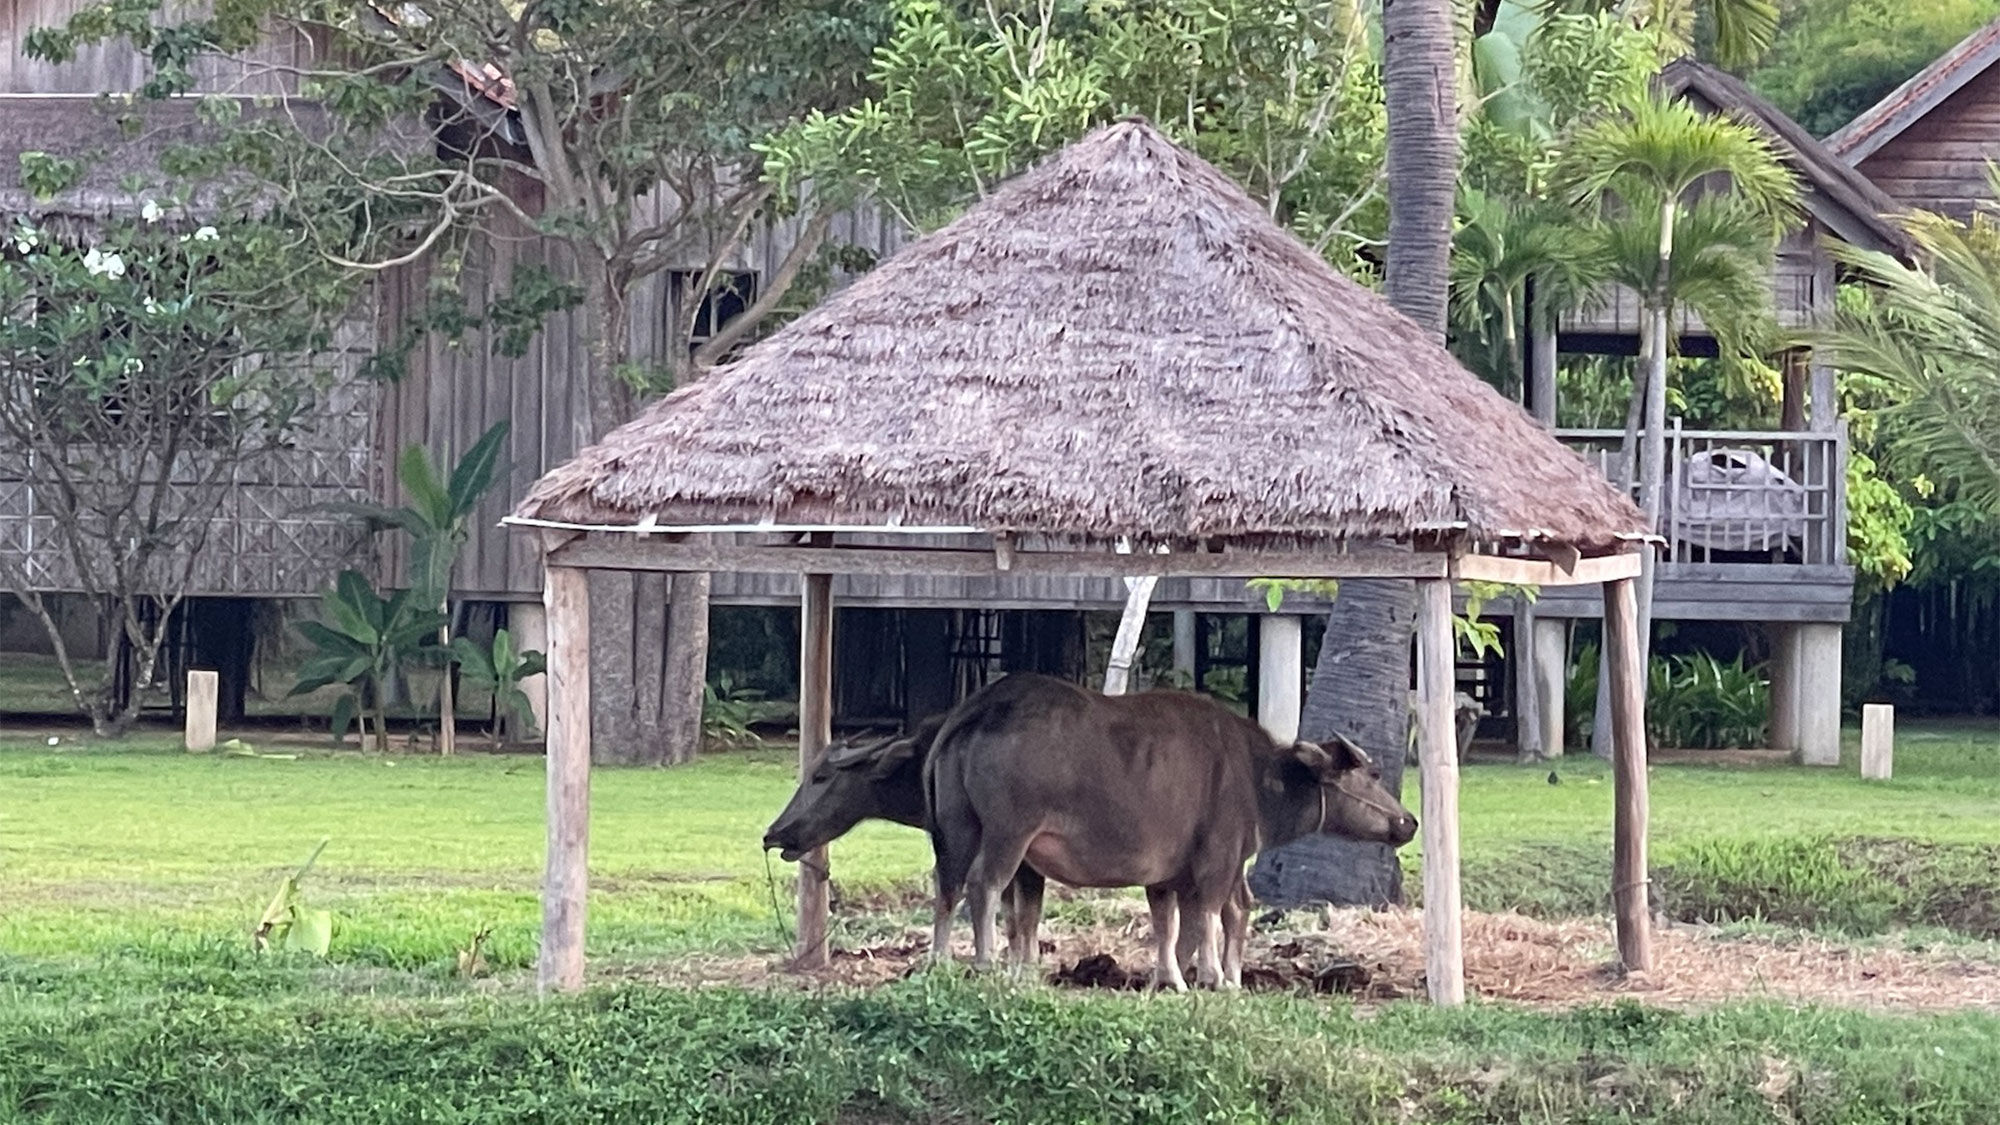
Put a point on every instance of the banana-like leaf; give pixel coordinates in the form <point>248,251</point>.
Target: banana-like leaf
<point>428,497</point>
<point>344,711</point>
<point>475,472</point>
<point>350,608</point>
<point>310,931</point>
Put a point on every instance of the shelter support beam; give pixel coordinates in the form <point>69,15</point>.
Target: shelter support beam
<point>815,733</point>
<point>1549,637</point>
<point>1437,749</point>
<point>1280,674</point>
<point>566,876</point>
<point>1629,879</point>
<point>1818,691</point>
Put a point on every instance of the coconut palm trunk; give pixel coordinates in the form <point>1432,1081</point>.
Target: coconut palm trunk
<point>1361,683</point>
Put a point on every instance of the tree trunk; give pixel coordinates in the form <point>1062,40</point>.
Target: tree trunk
<point>1360,688</point>
<point>686,673</point>
<point>1420,87</point>
<point>1653,465</point>
<point>447,702</point>
<point>1361,684</point>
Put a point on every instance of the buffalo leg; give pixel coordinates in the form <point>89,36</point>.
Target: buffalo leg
<point>993,869</point>
<point>1024,917</point>
<point>1235,934</point>
<point>955,842</point>
<point>1165,907</point>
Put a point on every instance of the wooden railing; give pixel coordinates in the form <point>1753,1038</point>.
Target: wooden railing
<point>1743,496</point>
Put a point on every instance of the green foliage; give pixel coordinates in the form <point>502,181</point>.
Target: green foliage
<point>728,708</point>
<point>438,510</point>
<point>362,642</point>
<point>1696,702</point>
<point>1834,58</point>
<point>288,923</point>
<point>498,670</point>
<point>1693,701</point>
<point>1929,339</point>
<point>1284,97</point>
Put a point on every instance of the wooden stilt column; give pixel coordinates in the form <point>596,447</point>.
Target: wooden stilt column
<point>1629,879</point>
<point>1437,744</point>
<point>815,732</point>
<point>566,877</point>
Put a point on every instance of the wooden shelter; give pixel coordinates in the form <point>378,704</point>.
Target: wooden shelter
<point>1116,365</point>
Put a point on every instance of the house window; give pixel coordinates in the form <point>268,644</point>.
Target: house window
<point>732,292</point>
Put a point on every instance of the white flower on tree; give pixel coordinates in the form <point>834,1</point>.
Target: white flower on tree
<point>151,212</point>
<point>101,264</point>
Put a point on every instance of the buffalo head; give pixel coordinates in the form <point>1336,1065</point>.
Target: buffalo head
<point>849,785</point>
<point>1351,800</point>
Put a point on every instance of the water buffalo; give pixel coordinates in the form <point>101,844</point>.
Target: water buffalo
<point>883,780</point>
<point>1168,791</point>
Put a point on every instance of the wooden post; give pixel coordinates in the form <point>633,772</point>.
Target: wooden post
<point>203,690</point>
<point>566,879</point>
<point>1528,725</point>
<point>815,731</point>
<point>1184,643</point>
<point>1437,747</point>
<point>1280,675</point>
<point>1878,741</point>
<point>1628,721</point>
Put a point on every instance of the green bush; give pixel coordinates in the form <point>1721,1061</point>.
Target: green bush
<point>1693,702</point>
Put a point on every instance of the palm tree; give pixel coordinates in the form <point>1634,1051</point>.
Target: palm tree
<point>1645,167</point>
<point>1502,245</point>
<point>1360,685</point>
<point>1932,333</point>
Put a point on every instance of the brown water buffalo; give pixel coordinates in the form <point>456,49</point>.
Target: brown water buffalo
<point>883,780</point>
<point>1168,791</point>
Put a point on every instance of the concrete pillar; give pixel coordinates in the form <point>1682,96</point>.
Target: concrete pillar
<point>1819,693</point>
<point>1550,640</point>
<point>1184,644</point>
<point>528,623</point>
<point>1280,674</point>
<point>1784,708</point>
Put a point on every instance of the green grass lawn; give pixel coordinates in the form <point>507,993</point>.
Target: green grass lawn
<point>137,845</point>
<point>130,876</point>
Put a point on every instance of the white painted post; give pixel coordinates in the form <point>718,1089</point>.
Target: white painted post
<point>1280,674</point>
<point>203,688</point>
<point>1184,643</point>
<point>1784,705</point>
<point>1878,741</point>
<point>1551,641</point>
<point>1818,691</point>
<point>566,877</point>
<point>529,624</point>
<point>1437,755</point>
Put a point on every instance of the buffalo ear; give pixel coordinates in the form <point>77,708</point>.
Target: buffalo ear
<point>1312,756</point>
<point>1348,756</point>
<point>892,758</point>
<point>847,755</point>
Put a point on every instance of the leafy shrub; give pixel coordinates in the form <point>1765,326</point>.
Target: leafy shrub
<point>1693,702</point>
<point>1696,702</point>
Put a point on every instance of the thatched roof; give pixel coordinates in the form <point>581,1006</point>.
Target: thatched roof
<point>1116,343</point>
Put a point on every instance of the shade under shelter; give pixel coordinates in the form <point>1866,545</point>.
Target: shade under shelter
<point>1117,364</point>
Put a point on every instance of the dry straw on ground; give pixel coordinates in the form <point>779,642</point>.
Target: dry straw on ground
<point>1379,956</point>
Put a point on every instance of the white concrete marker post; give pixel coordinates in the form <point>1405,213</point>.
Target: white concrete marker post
<point>1878,741</point>
<point>203,690</point>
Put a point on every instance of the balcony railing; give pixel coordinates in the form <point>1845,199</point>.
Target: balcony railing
<point>1744,496</point>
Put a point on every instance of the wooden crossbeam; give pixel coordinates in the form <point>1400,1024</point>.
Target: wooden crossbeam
<point>1543,572</point>
<point>622,552</point>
